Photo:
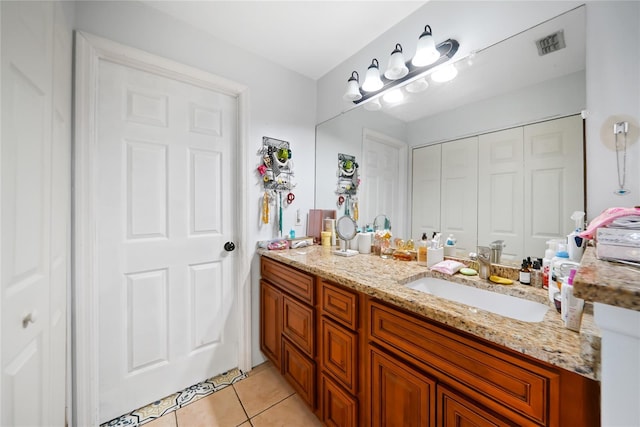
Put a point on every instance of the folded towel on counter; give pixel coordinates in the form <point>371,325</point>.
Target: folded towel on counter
<point>627,216</point>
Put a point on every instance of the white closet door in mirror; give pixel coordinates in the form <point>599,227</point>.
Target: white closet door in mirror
<point>459,193</point>
<point>553,180</point>
<point>425,212</point>
<point>500,191</point>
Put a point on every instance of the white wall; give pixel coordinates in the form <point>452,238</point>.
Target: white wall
<point>281,102</point>
<point>552,99</point>
<point>613,89</point>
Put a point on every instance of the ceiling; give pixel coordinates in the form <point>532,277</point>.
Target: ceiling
<point>309,37</point>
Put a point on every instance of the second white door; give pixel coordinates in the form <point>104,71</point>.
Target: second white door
<point>167,304</point>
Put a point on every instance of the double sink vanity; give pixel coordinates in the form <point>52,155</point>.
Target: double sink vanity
<point>367,341</point>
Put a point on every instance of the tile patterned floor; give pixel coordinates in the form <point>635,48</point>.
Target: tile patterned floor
<point>260,399</point>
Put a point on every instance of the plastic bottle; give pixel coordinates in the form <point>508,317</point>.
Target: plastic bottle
<point>576,244</point>
<point>549,253</point>
<point>421,256</point>
<point>561,257</point>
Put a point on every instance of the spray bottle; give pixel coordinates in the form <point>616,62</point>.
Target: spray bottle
<point>575,243</point>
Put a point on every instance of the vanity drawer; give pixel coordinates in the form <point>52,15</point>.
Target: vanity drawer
<point>298,324</point>
<point>289,279</point>
<point>494,378</point>
<point>340,304</point>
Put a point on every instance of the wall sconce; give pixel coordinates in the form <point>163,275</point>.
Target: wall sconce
<point>428,55</point>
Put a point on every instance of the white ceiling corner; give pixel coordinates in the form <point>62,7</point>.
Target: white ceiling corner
<point>308,37</point>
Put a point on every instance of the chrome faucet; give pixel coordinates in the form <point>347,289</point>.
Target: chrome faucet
<point>484,262</point>
<point>496,250</point>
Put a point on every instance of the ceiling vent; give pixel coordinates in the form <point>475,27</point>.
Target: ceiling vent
<point>551,43</point>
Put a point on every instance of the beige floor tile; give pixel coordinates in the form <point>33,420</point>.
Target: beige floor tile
<point>292,412</point>
<point>262,390</point>
<point>221,409</point>
<point>261,367</point>
<point>247,424</point>
<point>168,420</point>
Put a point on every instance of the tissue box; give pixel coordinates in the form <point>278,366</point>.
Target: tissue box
<point>434,256</point>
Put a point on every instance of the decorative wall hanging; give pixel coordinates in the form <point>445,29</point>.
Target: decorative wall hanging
<point>276,172</point>
<point>348,182</point>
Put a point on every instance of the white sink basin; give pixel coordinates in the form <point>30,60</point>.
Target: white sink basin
<point>504,305</point>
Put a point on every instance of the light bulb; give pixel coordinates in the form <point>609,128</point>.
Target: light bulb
<point>393,96</point>
<point>372,81</point>
<point>426,52</point>
<point>353,90</point>
<point>397,69</point>
<point>444,74</point>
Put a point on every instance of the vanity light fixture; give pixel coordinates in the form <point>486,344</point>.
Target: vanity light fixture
<point>372,81</point>
<point>445,73</point>
<point>393,96</point>
<point>426,52</point>
<point>397,69</point>
<point>353,88</point>
<point>417,86</point>
<point>399,73</point>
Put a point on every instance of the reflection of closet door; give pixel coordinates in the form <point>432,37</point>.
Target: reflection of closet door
<point>553,180</point>
<point>500,191</point>
<point>425,212</point>
<point>459,193</point>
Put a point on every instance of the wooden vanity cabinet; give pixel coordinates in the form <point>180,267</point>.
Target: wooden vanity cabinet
<point>339,341</point>
<point>358,361</point>
<point>476,382</point>
<point>288,325</point>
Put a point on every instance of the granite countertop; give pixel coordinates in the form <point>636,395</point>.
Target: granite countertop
<point>547,340</point>
<point>607,282</point>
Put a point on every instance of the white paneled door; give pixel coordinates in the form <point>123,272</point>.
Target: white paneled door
<point>500,191</point>
<point>35,194</point>
<point>384,180</point>
<point>165,177</point>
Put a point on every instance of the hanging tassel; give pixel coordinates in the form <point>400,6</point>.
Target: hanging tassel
<point>280,213</point>
<point>356,213</point>
<point>265,208</point>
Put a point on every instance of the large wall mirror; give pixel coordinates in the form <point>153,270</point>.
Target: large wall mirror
<point>507,87</point>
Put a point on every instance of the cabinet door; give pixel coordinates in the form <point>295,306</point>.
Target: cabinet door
<point>454,410</point>
<point>298,324</point>
<point>270,322</point>
<point>459,193</point>
<point>425,193</point>
<point>339,409</point>
<point>300,371</point>
<point>339,354</point>
<point>400,395</point>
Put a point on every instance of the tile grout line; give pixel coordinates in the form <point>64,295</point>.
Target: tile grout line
<point>269,407</point>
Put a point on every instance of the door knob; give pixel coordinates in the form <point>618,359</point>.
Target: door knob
<point>229,246</point>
